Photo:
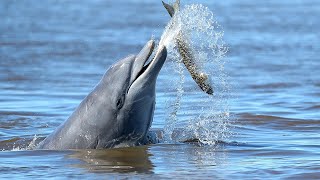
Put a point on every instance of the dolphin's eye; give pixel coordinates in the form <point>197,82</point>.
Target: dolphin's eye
<point>120,101</point>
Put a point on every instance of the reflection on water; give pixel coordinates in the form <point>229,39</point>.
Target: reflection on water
<point>120,160</point>
<point>160,159</point>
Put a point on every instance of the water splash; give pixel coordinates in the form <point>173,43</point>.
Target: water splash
<point>205,37</point>
<point>174,105</point>
<point>33,144</point>
<point>20,144</point>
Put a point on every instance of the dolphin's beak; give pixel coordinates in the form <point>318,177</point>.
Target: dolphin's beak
<point>154,67</point>
<point>147,73</point>
<point>141,59</point>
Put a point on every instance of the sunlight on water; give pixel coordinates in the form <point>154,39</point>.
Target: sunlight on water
<point>204,36</point>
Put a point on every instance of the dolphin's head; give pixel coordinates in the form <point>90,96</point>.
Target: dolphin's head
<point>131,92</point>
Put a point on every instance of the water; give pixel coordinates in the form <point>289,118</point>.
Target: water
<point>196,26</point>
<point>52,53</point>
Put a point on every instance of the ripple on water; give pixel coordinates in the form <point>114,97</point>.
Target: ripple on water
<point>278,123</point>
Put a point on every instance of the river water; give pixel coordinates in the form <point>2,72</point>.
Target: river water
<point>52,53</point>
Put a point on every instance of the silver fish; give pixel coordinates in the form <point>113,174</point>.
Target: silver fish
<point>185,52</point>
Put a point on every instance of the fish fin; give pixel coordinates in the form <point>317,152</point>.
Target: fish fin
<point>169,8</point>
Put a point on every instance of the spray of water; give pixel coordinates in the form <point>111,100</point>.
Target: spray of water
<point>174,104</point>
<point>30,144</point>
<point>204,35</point>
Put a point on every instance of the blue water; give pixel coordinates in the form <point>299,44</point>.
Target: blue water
<point>52,53</point>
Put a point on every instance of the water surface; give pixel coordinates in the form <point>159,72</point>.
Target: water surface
<point>52,53</point>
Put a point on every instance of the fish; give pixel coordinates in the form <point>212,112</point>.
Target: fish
<point>188,59</point>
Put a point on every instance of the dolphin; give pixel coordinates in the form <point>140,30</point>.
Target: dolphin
<point>119,110</point>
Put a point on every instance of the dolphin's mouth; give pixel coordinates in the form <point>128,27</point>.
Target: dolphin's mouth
<point>141,62</point>
<point>145,70</point>
<point>149,66</point>
<point>147,62</point>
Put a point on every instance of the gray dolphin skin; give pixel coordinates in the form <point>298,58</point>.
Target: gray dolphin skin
<point>185,51</point>
<point>119,110</point>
